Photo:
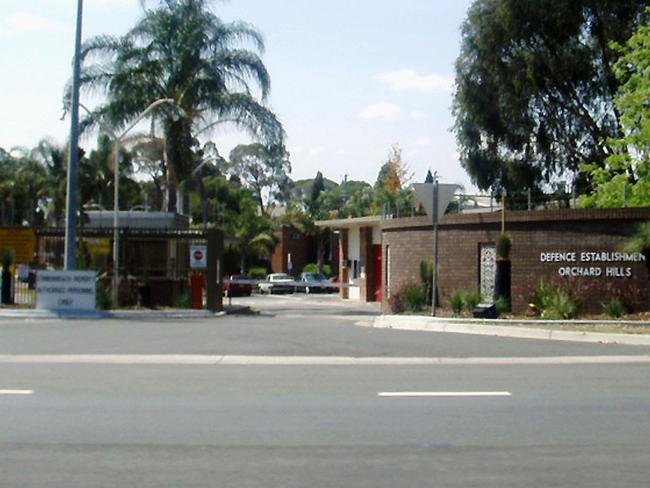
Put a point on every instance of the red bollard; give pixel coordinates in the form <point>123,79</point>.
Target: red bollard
<point>197,281</point>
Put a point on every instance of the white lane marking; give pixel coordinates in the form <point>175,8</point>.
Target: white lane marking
<point>413,394</point>
<point>235,360</point>
<point>16,392</point>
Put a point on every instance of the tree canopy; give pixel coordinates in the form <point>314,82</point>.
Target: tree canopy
<point>180,50</point>
<point>625,177</point>
<point>535,87</point>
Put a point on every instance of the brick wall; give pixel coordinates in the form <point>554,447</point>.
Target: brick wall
<point>532,233</point>
<point>290,241</point>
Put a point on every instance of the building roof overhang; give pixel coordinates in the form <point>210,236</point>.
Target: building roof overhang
<point>369,221</point>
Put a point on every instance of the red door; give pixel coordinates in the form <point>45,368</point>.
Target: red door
<point>378,269</point>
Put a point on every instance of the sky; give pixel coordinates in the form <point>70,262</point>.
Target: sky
<point>350,78</point>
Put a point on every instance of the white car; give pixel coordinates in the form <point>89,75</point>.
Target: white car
<point>277,283</point>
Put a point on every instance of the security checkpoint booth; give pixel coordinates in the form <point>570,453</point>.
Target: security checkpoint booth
<point>162,262</point>
<point>359,256</point>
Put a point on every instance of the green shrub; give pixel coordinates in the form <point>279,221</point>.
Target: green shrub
<point>614,308</point>
<point>504,243</point>
<point>327,271</point>
<point>182,301</point>
<point>310,268</point>
<point>414,297</point>
<point>426,277</point>
<point>553,303</point>
<point>103,299</point>
<point>456,302</point>
<point>471,298</point>
<point>258,273</point>
<point>502,305</point>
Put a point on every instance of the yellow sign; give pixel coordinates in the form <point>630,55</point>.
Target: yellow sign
<point>98,245</point>
<point>21,241</point>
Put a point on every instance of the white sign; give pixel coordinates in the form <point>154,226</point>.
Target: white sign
<point>424,193</point>
<point>198,256</point>
<point>66,290</point>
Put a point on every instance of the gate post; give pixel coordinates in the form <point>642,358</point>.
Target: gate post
<point>214,288</point>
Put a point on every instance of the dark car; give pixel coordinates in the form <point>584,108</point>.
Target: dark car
<point>237,286</point>
<point>314,283</point>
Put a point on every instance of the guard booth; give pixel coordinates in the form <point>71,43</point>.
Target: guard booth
<point>154,258</point>
<point>157,267</point>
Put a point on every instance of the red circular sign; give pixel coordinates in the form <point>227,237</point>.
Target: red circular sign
<point>198,255</point>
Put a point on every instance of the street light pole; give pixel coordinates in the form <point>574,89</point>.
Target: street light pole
<point>116,188</point>
<point>434,278</point>
<point>116,196</point>
<point>70,256</point>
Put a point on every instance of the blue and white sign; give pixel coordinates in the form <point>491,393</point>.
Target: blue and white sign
<point>66,290</point>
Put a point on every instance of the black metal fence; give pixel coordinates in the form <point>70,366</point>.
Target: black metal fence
<point>154,264</point>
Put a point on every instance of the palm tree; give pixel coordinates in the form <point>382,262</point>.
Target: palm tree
<point>53,158</point>
<point>180,50</point>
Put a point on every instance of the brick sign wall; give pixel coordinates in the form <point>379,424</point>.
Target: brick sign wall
<point>577,249</point>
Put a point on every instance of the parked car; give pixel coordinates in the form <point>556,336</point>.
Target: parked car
<point>314,283</point>
<point>277,283</point>
<point>237,286</point>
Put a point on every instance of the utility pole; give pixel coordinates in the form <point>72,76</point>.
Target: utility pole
<point>434,279</point>
<point>70,257</point>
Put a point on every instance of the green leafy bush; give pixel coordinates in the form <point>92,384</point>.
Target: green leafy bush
<point>504,243</point>
<point>553,303</point>
<point>103,297</point>
<point>327,271</point>
<point>414,297</point>
<point>614,308</point>
<point>456,302</point>
<point>182,301</point>
<point>310,268</point>
<point>471,298</point>
<point>502,305</point>
<point>426,277</point>
<point>258,273</point>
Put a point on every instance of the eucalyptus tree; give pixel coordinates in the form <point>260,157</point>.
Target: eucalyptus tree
<point>180,50</point>
<point>265,171</point>
<point>535,87</point>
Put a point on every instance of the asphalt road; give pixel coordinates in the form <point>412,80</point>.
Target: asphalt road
<point>102,414</point>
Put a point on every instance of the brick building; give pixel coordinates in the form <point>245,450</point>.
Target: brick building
<point>291,253</point>
<point>579,249</point>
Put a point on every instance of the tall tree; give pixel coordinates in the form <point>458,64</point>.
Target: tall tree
<point>53,158</point>
<point>625,178</point>
<point>236,212</point>
<point>265,170</point>
<point>180,50</point>
<point>535,87</point>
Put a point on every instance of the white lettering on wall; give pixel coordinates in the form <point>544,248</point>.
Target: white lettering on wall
<point>592,259</point>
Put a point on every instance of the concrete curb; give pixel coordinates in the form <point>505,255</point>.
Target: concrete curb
<point>506,329</point>
<point>109,314</point>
